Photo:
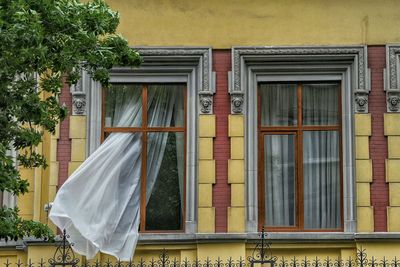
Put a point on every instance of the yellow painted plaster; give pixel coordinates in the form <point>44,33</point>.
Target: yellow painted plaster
<point>394,194</point>
<point>237,148</point>
<point>206,216</point>
<point>236,125</point>
<point>205,195</point>
<point>207,171</point>
<point>78,149</point>
<point>362,147</point>
<point>393,170</point>
<point>365,219</point>
<point>206,148</point>
<point>393,214</point>
<point>393,147</point>
<point>222,250</point>
<point>236,220</point>
<point>235,171</point>
<point>207,126</point>
<point>392,123</point>
<point>237,195</point>
<point>363,195</point>
<point>362,124</point>
<point>77,127</point>
<point>224,23</point>
<point>364,170</point>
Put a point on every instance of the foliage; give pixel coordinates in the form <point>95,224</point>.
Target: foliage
<point>44,43</point>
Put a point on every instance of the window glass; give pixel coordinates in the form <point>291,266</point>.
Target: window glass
<point>123,104</point>
<point>162,136</point>
<point>278,104</point>
<point>280,177</point>
<point>165,172</point>
<point>321,167</point>
<point>320,104</point>
<point>169,99</point>
<point>300,167</point>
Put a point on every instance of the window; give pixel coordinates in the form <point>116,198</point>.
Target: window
<point>300,170</point>
<point>154,115</point>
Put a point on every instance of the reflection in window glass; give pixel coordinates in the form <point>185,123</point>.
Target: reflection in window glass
<point>165,176</point>
<point>278,104</point>
<point>123,105</point>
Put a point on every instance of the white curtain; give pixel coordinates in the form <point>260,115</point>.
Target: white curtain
<point>280,175</point>
<point>321,159</point>
<point>279,108</point>
<point>99,205</point>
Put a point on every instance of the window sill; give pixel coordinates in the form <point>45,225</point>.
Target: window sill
<point>276,237</point>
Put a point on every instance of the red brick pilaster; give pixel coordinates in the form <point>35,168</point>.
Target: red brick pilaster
<point>378,142</point>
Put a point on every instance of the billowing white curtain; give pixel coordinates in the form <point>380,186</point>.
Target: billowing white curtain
<point>321,158</point>
<point>99,205</point>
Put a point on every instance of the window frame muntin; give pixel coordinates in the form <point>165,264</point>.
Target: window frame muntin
<point>297,130</point>
<point>145,129</point>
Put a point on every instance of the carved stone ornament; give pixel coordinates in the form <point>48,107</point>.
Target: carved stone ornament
<point>206,104</point>
<point>393,101</point>
<point>237,101</point>
<point>78,103</point>
<point>392,78</point>
<point>361,102</point>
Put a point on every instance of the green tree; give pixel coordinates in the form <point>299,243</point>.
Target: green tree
<point>44,43</point>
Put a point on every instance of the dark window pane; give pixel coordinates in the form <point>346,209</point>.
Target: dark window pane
<point>166,105</point>
<point>123,105</point>
<point>321,170</point>
<point>280,177</point>
<point>320,104</point>
<point>165,181</point>
<point>278,104</point>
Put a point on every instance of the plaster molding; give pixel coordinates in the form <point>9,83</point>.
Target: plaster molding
<point>347,65</point>
<point>356,56</point>
<point>392,77</point>
<point>202,55</point>
<point>162,64</point>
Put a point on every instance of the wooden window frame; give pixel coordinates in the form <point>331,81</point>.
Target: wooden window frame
<point>297,130</point>
<point>145,130</point>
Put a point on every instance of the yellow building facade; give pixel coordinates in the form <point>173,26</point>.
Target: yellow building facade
<point>224,52</point>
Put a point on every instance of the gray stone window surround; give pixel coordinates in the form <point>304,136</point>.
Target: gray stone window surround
<point>267,64</point>
<point>392,77</point>
<point>161,65</point>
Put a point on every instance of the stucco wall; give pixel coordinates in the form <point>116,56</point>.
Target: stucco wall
<point>226,23</point>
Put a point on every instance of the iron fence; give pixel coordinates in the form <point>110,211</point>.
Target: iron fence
<point>261,257</point>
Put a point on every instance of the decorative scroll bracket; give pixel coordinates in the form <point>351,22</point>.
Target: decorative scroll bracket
<point>392,78</point>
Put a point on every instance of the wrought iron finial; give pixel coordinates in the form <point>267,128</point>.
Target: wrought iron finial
<point>262,252</point>
<point>64,255</point>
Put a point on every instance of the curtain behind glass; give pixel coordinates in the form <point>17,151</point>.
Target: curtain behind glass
<point>280,180</point>
<point>320,104</point>
<point>321,172</point>
<point>278,104</point>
